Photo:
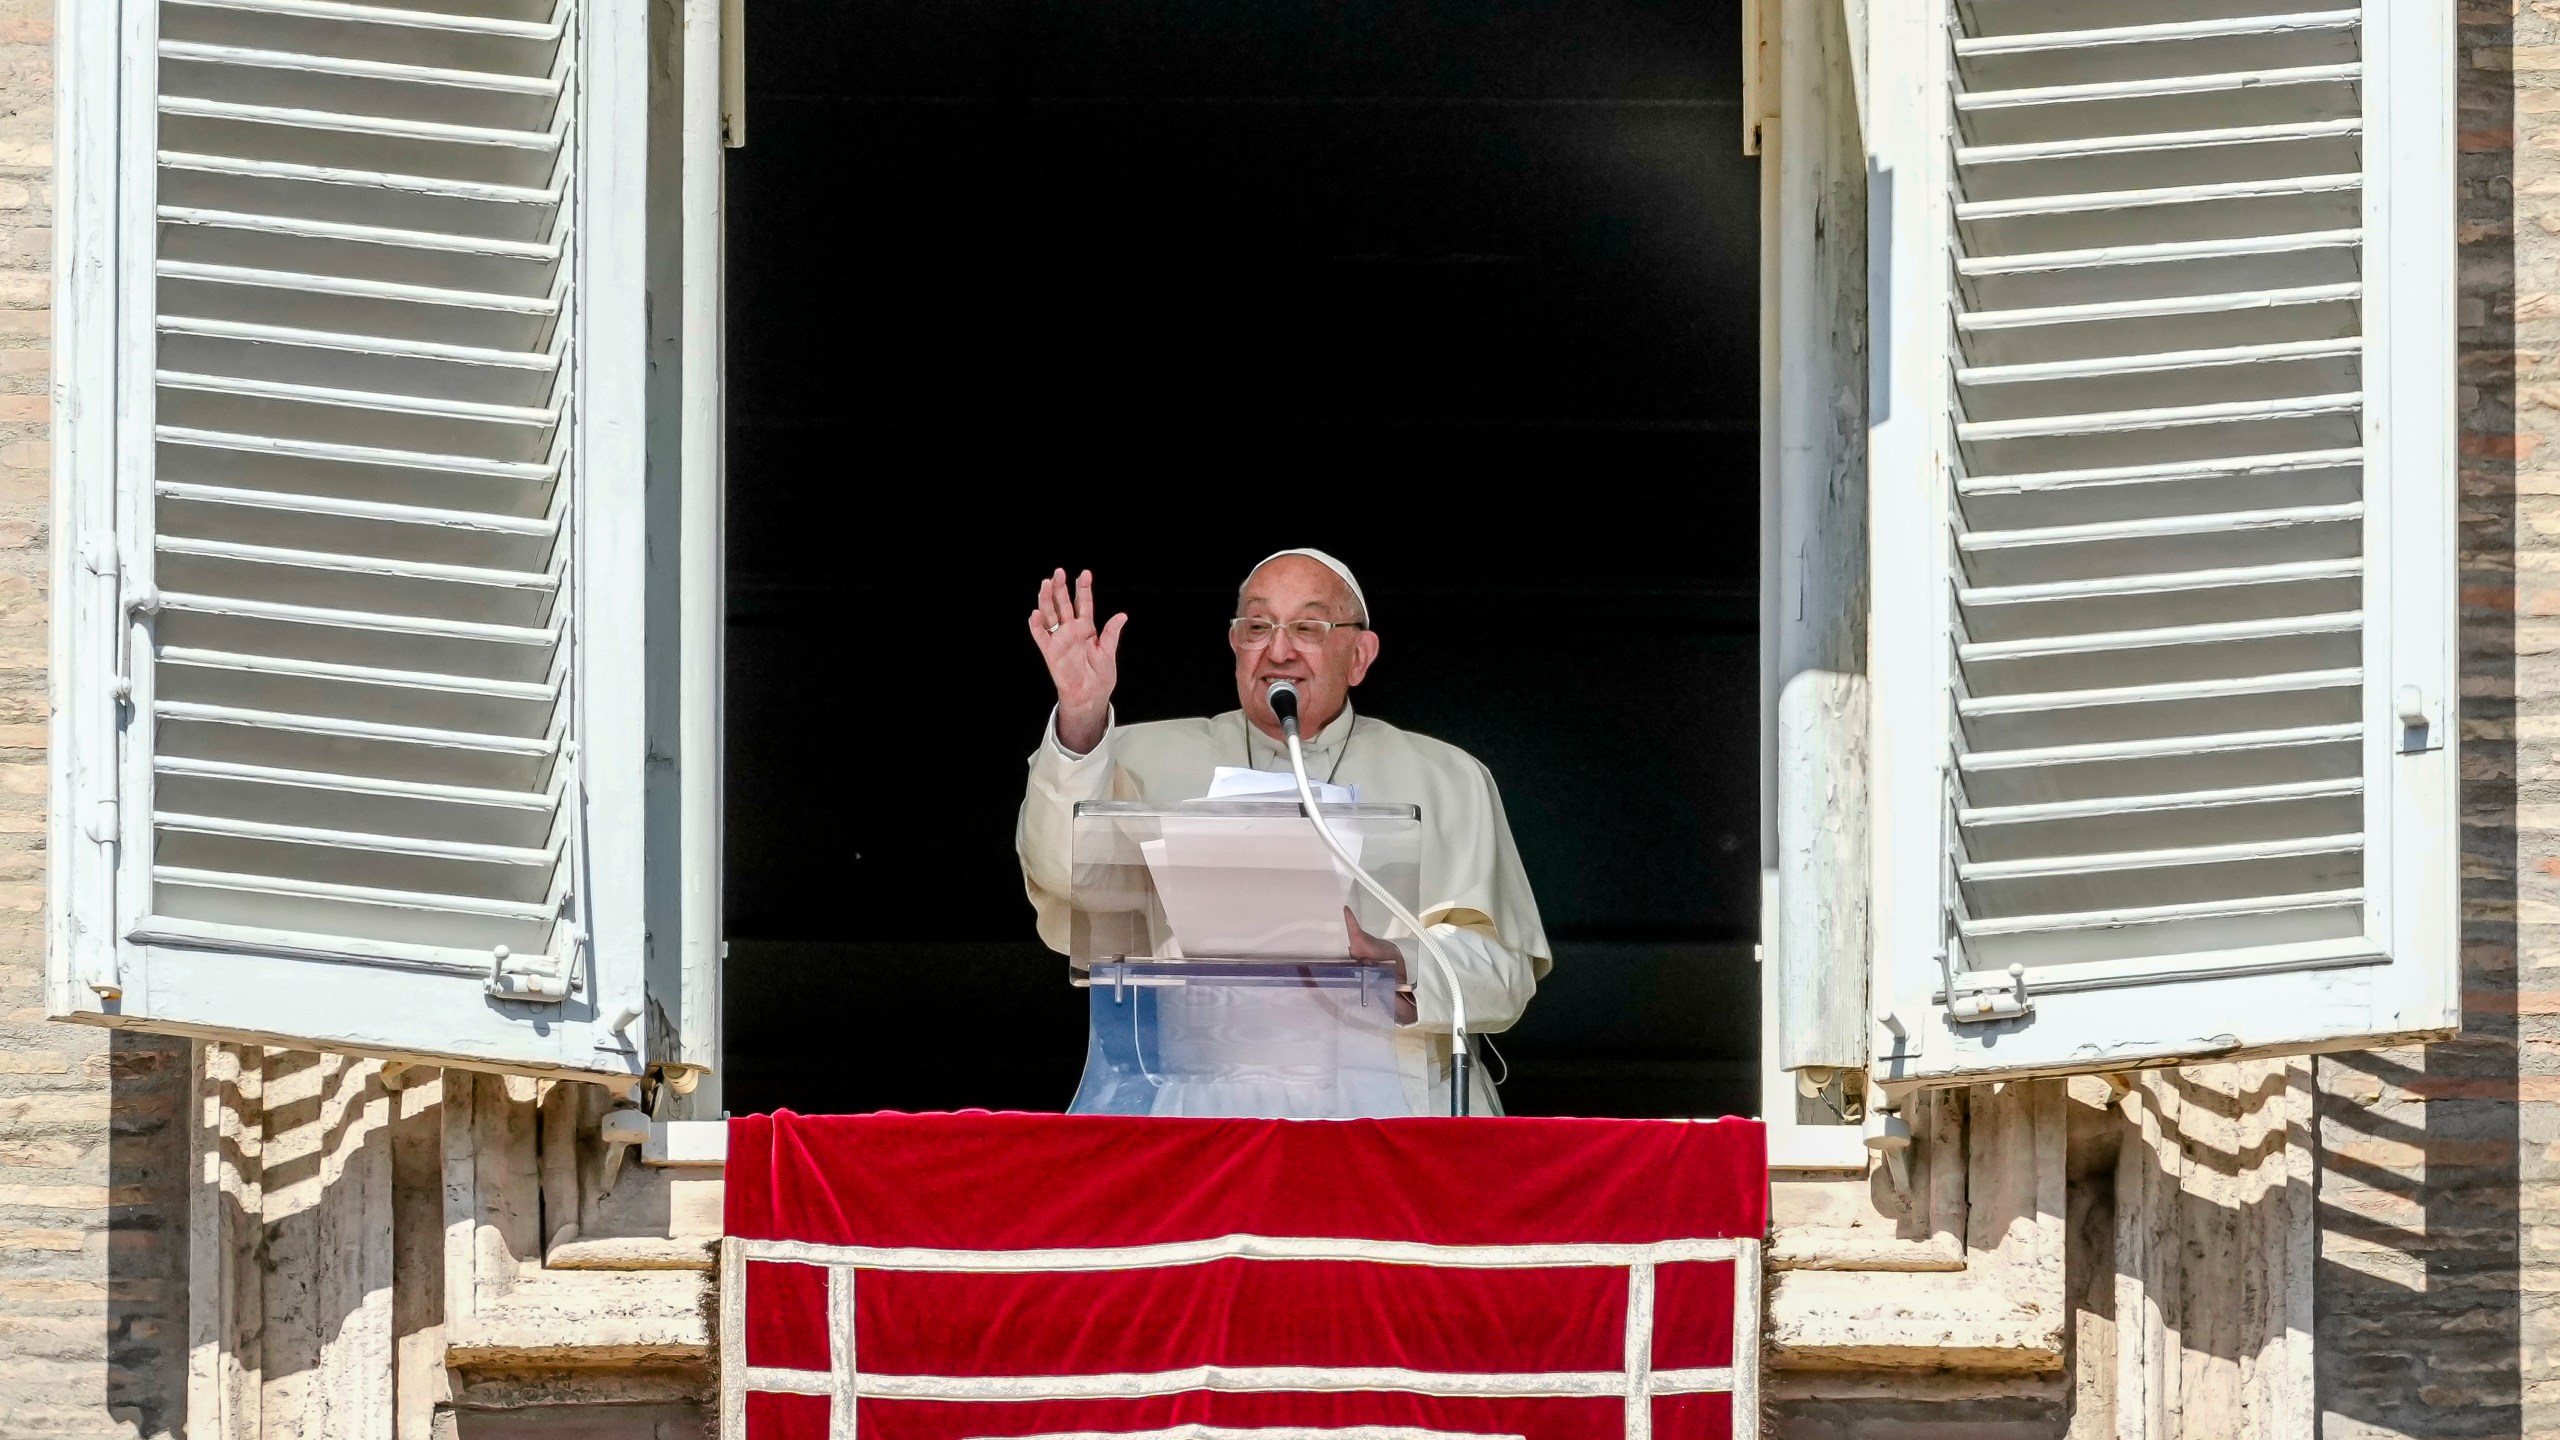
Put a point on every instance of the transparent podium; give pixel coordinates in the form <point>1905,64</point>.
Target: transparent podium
<point>1212,940</point>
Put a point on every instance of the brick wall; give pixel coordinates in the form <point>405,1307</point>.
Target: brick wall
<point>92,1222</point>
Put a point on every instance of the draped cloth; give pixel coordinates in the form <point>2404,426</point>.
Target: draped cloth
<point>983,1277</point>
<point>1474,894</point>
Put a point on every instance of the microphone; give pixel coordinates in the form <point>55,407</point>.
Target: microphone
<point>1282,697</point>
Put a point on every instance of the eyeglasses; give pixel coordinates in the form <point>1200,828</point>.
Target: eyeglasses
<point>1252,632</point>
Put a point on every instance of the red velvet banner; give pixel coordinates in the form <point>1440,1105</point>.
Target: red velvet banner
<point>1141,1316</point>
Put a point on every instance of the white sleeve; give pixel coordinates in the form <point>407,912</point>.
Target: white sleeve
<point>1495,979</point>
<point>1044,836</point>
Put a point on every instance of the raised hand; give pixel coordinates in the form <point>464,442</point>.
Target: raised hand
<point>1083,657</point>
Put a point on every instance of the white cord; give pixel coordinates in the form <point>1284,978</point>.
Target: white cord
<point>1448,972</point>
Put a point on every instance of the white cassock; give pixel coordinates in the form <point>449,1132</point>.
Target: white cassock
<point>1475,897</point>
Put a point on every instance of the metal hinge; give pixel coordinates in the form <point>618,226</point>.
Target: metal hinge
<point>98,557</point>
<point>100,965</point>
<point>1976,997</point>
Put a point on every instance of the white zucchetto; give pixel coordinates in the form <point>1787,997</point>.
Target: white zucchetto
<point>1328,562</point>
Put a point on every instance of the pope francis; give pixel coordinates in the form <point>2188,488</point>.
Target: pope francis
<point>1300,616</point>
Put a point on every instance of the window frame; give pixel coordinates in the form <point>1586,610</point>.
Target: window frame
<point>1797,405</point>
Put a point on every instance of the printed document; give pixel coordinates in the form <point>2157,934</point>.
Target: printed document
<point>1252,888</point>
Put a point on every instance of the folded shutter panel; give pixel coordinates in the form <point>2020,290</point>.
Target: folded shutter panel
<point>2153,604</point>
<point>359,536</point>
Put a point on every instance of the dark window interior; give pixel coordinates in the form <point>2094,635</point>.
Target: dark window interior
<point>1464,291</point>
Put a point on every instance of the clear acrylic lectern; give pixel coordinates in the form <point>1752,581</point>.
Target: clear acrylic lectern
<point>1210,935</point>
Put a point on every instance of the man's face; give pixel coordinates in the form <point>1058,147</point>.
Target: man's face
<point>1294,587</point>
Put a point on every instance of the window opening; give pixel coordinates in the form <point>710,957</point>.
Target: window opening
<point>1467,295</point>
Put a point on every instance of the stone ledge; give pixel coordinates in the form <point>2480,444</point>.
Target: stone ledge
<point>629,1252</point>
<point>1869,1320</point>
<point>1795,1248</point>
<point>570,1317</point>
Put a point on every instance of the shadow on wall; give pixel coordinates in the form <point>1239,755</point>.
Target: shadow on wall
<point>146,1239</point>
<point>2207,1254</point>
<point>303,1141</point>
<point>2426,1177</point>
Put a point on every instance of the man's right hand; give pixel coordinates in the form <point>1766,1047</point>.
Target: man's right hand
<point>1083,660</point>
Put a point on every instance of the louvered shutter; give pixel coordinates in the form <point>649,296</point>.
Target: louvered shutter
<point>351,522</point>
<point>2163,477</point>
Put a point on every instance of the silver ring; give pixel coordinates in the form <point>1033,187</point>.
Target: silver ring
<point>1053,629</point>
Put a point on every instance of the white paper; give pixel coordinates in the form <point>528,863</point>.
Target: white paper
<point>1234,782</point>
<point>1251,888</point>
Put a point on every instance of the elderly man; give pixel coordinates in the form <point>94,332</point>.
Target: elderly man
<point>1300,616</point>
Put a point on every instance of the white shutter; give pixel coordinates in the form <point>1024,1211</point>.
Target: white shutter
<point>2163,477</point>
<point>351,517</point>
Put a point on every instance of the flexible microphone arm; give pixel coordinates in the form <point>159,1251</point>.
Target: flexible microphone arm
<point>1283,699</point>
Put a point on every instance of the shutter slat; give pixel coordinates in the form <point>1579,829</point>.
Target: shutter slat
<point>2102,587</point>
<point>543,692</point>
<point>2159,253</point>
<point>2217,467</point>
<point>544,857</point>
<point>2205,523</point>
<point>370,456</point>
<point>361,564</point>
<point>2159,636</point>
<point>2115,806</point>
<point>2165,86</point>
<point>181,164</point>
<point>542,251</point>
<point>2056,703</point>
<point>2144,199</point>
<point>304,282</point>
<point>514,416</point>
<point>2090,147</point>
<point>342,10</point>
<point>392,71</point>
<point>2129,915</point>
<point>524,745</point>
<point>541,142</point>
<point>2156,307</point>
<point>363,345</point>
<point>529,526</point>
<point>266,940</point>
<point>2164,418</point>
<point>2121,366</point>
<point>422,625</point>
<point>2227,27</point>
<point>417,905</point>
<point>2023,758</point>
<point>2224,854</point>
<point>506,800</point>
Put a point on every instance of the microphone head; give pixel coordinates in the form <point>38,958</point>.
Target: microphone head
<point>1282,697</point>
